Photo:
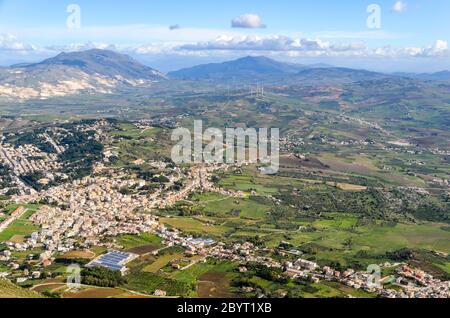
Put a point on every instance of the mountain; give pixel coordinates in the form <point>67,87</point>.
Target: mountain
<point>438,76</point>
<point>444,75</point>
<point>105,63</point>
<point>263,69</point>
<point>247,68</point>
<point>92,71</point>
<point>331,75</point>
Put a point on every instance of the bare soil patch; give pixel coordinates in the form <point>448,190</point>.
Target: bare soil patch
<point>214,285</point>
<point>141,250</point>
<point>79,254</point>
<point>95,293</point>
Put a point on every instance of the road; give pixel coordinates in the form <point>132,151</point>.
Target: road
<point>193,263</point>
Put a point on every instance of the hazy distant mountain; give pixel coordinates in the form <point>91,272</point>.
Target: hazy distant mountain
<point>438,76</point>
<point>337,75</point>
<point>263,69</point>
<point>247,68</point>
<point>92,71</point>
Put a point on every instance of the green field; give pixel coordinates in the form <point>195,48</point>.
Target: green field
<point>22,226</point>
<point>147,283</point>
<point>132,241</point>
<point>129,130</point>
<point>160,262</point>
<point>10,208</point>
<point>193,273</point>
<point>244,208</point>
<point>341,240</point>
<point>190,225</point>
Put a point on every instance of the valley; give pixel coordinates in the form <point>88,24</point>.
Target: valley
<point>363,180</point>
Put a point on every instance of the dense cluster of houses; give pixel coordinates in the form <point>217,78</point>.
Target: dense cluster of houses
<point>87,211</point>
<point>27,159</point>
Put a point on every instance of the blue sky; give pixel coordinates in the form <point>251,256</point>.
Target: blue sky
<point>414,34</point>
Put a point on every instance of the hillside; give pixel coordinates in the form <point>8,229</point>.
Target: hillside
<point>92,71</point>
<point>9,290</point>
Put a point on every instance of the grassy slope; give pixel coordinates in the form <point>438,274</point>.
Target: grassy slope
<point>9,290</point>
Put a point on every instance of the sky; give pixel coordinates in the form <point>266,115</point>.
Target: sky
<point>383,35</point>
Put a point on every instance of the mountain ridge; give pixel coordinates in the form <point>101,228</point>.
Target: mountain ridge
<point>98,71</point>
<point>436,76</point>
<point>263,69</point>
<point>248,66</point>
<point>103,62</point>
<point>92,71</point>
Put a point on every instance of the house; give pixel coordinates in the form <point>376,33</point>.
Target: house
<point>242,269</point>
<point>14,266</point>
<point>291,272</point>
<point>306,264</point>
<point>176,266</point>
<point>21,280</point>
<point>348,272</point>
<point>36,275</point>
<point>160,293</point>
<point>46,263</point>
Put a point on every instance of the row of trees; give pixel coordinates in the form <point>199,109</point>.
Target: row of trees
<point>102,277</point>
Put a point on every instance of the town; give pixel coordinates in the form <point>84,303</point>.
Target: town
<point>79,214</point>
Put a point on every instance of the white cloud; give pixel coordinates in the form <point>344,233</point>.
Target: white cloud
<point>152,48</point>
<point>8,42</point>
<point>399,7</point>
<point>347,47</point>
<point>81,47</point>
<point>259,43</point>
<point>312,47</point>
<point>248,21</point>
<point>227,44</point>
<point>441,45</point>
<point>438,49</point>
